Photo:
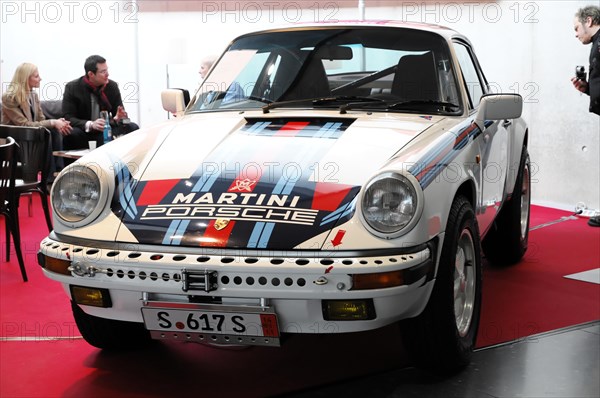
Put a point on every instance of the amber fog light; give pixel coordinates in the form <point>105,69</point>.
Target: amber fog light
<point>348,310</point>
<point>91,296</point>
<point>377,281</point>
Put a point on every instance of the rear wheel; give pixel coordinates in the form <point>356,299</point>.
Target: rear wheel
<point>506,242</point>
<point>108,333</point>
<point>442,337</point>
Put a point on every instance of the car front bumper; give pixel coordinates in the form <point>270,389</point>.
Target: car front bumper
<point>295,285</point>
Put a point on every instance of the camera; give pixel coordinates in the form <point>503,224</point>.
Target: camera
<point>580,72</point>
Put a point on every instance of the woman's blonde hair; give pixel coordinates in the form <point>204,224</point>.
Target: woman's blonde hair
<point>19,88</point>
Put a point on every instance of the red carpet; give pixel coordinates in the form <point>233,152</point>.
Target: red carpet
<point>518,301</point>
<point>533,296</point>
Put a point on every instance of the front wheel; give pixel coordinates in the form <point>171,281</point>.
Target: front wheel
<point>441,339</point>
<point>506,242</point>
<point>109,333</point>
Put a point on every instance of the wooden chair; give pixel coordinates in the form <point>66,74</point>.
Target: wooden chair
<point>8,163</point>
<point>34,158</point>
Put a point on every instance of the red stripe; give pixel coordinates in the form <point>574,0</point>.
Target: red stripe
<point>155,191</point>
<point>291,129</point>
<point>214,238</point>
<point>328,196</point>
<point>246,181</point>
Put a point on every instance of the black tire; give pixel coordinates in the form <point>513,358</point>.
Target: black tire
<point>441,339</point>
<point>110,334</point>
<point>507,240</point>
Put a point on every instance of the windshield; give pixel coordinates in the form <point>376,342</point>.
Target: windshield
<point>378,68</point>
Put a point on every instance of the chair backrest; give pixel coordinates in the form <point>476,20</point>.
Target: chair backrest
<point>34,144</point>
<point>416,78</point>
<point>8,156</point>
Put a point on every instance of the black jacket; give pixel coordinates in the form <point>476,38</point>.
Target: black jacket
<point>77,103</point>
<point>594,75</point>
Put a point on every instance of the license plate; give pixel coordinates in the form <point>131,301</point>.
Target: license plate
<point>199,321</point>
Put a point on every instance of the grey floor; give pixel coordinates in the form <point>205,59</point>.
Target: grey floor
<point>563,363</point>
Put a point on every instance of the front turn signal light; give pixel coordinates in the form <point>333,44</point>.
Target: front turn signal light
<point>57,265</point>
<point>377,281</point>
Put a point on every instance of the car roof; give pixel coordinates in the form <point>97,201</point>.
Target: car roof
<point>444,31</point>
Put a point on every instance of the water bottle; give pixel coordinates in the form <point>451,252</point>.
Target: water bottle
<point>107,133</point>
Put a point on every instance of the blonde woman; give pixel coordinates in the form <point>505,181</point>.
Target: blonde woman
<point>21,107</point>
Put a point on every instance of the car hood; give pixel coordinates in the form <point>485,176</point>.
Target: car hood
<point>255,182</point>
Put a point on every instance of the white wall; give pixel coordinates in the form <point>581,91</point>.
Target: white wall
<point>524,46</point>
<point>58,36</point>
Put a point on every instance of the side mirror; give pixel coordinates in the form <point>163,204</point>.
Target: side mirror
<point>174,100</point>
<point>498,107</point>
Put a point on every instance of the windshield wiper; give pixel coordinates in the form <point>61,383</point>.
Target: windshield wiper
<point>259,99</point>
<point>278,104</point>
<point>397,105</point>
<point>405,104</point>
<point>343,99</point>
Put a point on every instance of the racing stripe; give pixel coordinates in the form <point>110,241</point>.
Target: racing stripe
<point>206,181</point>
<point>261,234</point>
<point>256,128</point>
<point>259,239</point>
<point>330,130</point>
<point>433,162</point>
<point>315,128</point>
<point>291,129</point>
<point>280,167</point>
<point>124,189</point>
<point>154,191</point>
<point>214,237</point>
<point>328,196</point>
<point>175,232</point>
<point>339,213</point>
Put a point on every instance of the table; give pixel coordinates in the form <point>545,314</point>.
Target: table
<point>74,154</point>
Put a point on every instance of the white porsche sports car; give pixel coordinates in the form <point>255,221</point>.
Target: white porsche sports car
<point>325,178</point>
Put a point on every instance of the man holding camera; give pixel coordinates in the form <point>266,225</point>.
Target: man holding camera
<point>587,30</point>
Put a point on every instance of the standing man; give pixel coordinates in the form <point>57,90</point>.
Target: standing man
<point>83,100</point>
<point>587,30</point>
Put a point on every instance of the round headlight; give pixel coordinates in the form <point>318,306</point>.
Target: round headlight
<point>390,204</point>
<point>76,195</point>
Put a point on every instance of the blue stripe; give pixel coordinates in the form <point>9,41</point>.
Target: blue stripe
<point>205,182</point>
<point>256,128</point>
<point>266,235</point>
<point>436,169</point>
<point>338,213</point>
<point>255,236</point>
<point>170,232</point>
<point>278,188</point>
<point>180,232</point>
<point>350,208</point>
<point>125,195</point>
<point>175,232</point>
<point>334,131</point>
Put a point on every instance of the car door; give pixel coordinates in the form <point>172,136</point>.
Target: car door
<point>493,142</point>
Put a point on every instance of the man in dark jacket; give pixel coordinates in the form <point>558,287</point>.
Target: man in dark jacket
<point>83,101</point>
<point>587,30</point>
